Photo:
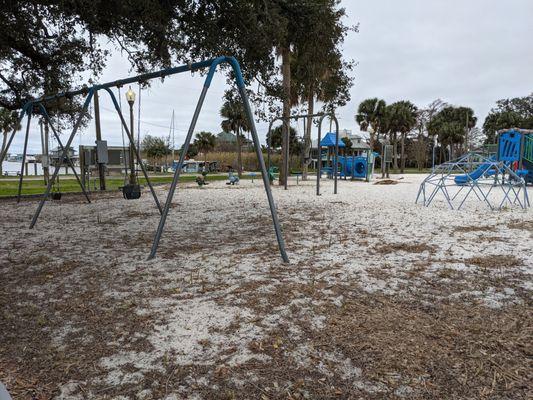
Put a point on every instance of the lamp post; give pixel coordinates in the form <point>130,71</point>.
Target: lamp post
<point>130,97</point>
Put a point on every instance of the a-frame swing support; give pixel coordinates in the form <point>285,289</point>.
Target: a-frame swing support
<point>89,93</point>
<point>266,182</point>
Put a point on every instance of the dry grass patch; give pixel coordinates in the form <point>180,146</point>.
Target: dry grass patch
<point>386,182</point>
<point>521,225</point>
<point>375,347</point>
<point>446,351</point>
<point>406,247</point>
<point>495,261</point>
<point>474,228</point>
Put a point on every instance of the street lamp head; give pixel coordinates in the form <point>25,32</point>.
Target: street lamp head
<point>130,96</point>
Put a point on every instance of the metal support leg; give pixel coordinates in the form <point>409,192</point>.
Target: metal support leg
<point>421,189</point>
<point>506,194</point>
<point>459,192</point>
<point>435,191</point>
<point>135,149</point>
<point>177,172</point>
<point>24,155</point>
<point>466,196</point>
<point>319,166</point>
<point>286,155</point>
<point>63,155</point>
<point>47,117</point>
<point>447,196</point>
<point>336,157</point>
<point>264,172</point>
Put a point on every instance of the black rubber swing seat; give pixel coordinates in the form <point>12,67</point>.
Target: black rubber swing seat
<point>131,192</point>
<point>55,195</point>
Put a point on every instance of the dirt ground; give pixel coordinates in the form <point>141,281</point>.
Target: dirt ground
<point>382,298</point>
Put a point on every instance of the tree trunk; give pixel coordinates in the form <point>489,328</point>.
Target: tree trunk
<point>421,152</point>
<point>382,158</point>
<point>385,142</point>
<point>372,138</point>
<point>239,151</point>
<point>307,133</point>
<point>402,153</point>
<point>286,74</point>
<point>4,141</point>
<point>395,152</point>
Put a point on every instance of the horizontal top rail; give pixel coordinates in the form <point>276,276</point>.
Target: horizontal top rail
<point>192,67</point>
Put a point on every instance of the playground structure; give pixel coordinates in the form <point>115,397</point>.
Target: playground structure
<point>38,106</point>
<point>497,180</point>
<point>348,166</point>
<point>335,145</point>
<point>515,146</point>
<point>357,167</point>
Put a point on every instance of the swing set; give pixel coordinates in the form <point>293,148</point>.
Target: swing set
<point>38,106</point>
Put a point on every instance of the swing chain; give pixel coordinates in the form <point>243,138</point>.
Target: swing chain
<point>123,141</point>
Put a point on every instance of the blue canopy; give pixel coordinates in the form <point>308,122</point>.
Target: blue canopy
<point>329,141</point>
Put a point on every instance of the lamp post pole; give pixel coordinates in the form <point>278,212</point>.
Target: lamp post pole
<point>130,97</point>
<point>98,130</point>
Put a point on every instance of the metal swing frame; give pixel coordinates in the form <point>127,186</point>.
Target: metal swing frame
<point>39,104</point>
<point>89,92</point>
<point>322,116</point>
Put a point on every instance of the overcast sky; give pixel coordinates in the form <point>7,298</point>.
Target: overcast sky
<point>466,52</point>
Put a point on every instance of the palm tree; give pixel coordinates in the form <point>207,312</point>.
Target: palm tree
<point>205,142</point>
<point>451,125</point>
<point>235,120</point>
<point>402,116</point>
<point>370,114</point>
<point>8,122</point>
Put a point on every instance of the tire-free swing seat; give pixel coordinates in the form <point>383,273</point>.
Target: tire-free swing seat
<point>131,191</point>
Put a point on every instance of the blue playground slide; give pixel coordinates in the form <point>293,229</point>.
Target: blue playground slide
<point>472,176</point>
